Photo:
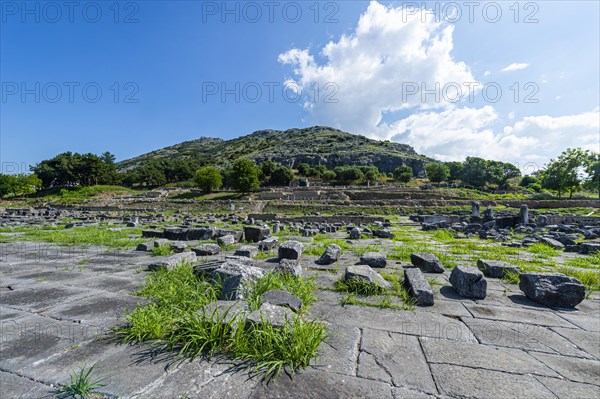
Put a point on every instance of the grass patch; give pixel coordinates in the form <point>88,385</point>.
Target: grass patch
<point>589,278</point>
<point>367,248</point>
<point>87,235</point>
<point>174,317</point>
<point>543,250</point>
<point>359,286</point>
<point>162,250</point>
<point>585,262</point>
<point>81,385</point>
<point>511,277</point>
<point>302,288</point>
<point>357,290</point>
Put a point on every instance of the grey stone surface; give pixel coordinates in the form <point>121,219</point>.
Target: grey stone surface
<point>289,266</point>
<point>428,263</point>
<point>587,341</point>
<point>275,315</point>
<point>552,242</point>
<point>483,357</point>
<point>172,260</point>
<point>282,298</point>
<point>418,286</point>
<point>248,251</point>
<point>565,389</point>
<point>236,279</point>
<point>331,255</point>
<point>290,250</point>
<point>355,233</point>
<point>530,337</point>
<point>374,259</point>
<point>502,313</point>
<point>366,273</point>
<point>468,282</point>
<point>226,240</point>
<point>552,289</point>
<point>496,268</point>
<point>458,381</point>
<point>207,249</point>
<point>256,233</point>
<point>383,356</point>
<point>268,244</point>
<point>17,387</point>
<point>339,352</point>
<point>578,370</point>
<point>311,384</point>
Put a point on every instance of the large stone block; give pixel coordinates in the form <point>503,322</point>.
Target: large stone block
<point>552,289</point>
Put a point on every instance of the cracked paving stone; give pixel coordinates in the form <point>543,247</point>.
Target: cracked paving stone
<point>461,381</point>
<point>203,380</point>
<point>16,387</point>
<point>517,315</point>
<point>338,353</point>
<point>311,384</point>
<point>567,389</point>
<point>38,298</point>
<point>579,370</point>
<point>405,393</point>
<point>483,357</point>
<point>588,341</point>
<point>522,336</point>
<point>399,321</point>
<point>396,359</point>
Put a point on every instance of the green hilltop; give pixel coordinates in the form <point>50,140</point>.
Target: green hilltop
<point>317,145</point>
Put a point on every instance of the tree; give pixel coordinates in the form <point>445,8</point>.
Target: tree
<point>455,168</point>
<point>245,175</point>
<point>562,174</point>
<point>403,174</point>
<point>208,179</point>
<point>282,176</point>
<point>329,175</point>
<point>474,172</point>
<point>151,173</point>
<point>592,168</point>
<point>304,169</point>
<point>267,169</point>
<point>19,185</point>
<point>437,172</point>
<point>348,174</point>
<point>528,180</point>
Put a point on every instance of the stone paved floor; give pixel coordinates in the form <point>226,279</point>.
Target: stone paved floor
<point>57,306</point>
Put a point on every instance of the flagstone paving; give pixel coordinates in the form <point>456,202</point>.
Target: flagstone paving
<point>57,310</point>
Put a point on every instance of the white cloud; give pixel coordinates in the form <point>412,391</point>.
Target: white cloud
<point>487,73</point>
<point>371,67</point>
<point>515,67</point>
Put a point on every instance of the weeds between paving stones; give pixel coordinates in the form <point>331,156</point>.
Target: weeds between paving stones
<point>357,290</point>
<point>162,250</point>
<point>174,319</point>
<point>81,385</point>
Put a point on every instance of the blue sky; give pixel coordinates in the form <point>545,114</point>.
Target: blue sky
<point>164,58</point>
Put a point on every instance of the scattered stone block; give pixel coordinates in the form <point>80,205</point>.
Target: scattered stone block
<point>428,263</point>
<point>496,268</point>
<point>552,289</point>
<point>355,234</point>
<point>268,244</point>
<point>207,249</point>
<point>172,260</point>
<point>590,247</point>
<point>277,316</point>
<point>366,273</point>
<point>418,286</point>
<point>146,246</point>
<point>256,233</point>
<point>383,233</point>
<point>237,279</point>
<point>468,282</point>
<point>282,298</point>
<point>289,266</point>
<point>290,250</point>
<point>374,259</point>
<point>332,254</point>
<point>246,250</point>
<point>226,240</point>
<point>552,242</point>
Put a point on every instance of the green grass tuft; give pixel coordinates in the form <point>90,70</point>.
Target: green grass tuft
<point>81,385</point>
